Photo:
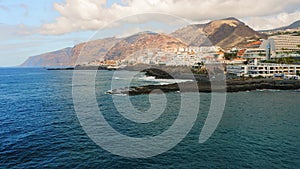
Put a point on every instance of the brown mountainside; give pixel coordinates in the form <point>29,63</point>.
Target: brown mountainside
<point>57,58</point>
<point>226,33</point>
<point>143,41</point>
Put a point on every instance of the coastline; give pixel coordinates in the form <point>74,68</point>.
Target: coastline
<point>201,82</point>
<point>205,86</point>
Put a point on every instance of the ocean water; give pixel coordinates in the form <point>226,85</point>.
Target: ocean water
<point>39,127</point>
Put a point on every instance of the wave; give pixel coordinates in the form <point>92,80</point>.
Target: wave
<point>119,78</point>
<point>164,81</point>
<point>276,90</point>
<point>116,92</point>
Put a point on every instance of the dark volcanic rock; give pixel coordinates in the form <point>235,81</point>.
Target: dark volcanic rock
<point>248,85</point>
<point>206,86</point>
<point>171,72</point>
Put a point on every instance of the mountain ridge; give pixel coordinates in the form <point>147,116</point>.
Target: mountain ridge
<point>226,33</point>
<point>294,25</point>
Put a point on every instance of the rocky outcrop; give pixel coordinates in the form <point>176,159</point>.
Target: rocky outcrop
<point>205,86</point>
<point>173,72</point>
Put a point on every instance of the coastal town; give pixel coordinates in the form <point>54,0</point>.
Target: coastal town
<point>237,49</point>
<point>277,56</point>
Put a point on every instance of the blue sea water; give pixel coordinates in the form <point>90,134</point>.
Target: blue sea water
<point>39,127</point>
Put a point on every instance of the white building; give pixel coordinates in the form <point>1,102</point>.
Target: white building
<point>264,70</point>
<point>255,53</point>
<point>278,46</point>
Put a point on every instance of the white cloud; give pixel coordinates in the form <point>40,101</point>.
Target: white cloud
<point>8,32</point>
<point>77,15</point>
<point>275,21</point>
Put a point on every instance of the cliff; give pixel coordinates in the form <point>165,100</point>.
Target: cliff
<point>88,51</point>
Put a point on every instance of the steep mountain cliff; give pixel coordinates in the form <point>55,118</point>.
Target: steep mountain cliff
<point>57,58</point>
<point>88,51</point>
<point>226,33</point>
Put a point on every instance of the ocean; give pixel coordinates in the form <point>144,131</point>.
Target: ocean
<point>39,127</point>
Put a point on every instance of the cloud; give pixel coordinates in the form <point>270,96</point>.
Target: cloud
<point>78,15</point>
<point>11,31</point>
<point>275,21</point>
<point>17,42</point>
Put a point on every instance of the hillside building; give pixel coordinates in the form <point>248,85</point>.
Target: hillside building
<point>281,46</point>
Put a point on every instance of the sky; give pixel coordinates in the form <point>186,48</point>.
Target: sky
<point>32,27</point>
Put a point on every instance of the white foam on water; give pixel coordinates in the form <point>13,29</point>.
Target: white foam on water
<point>164,81</point>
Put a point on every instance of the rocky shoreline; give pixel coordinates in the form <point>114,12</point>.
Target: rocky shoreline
<point>214,86</point>
<point>201,82</point>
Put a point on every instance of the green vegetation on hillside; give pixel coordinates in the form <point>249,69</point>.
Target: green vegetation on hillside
<point>230,56</point>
